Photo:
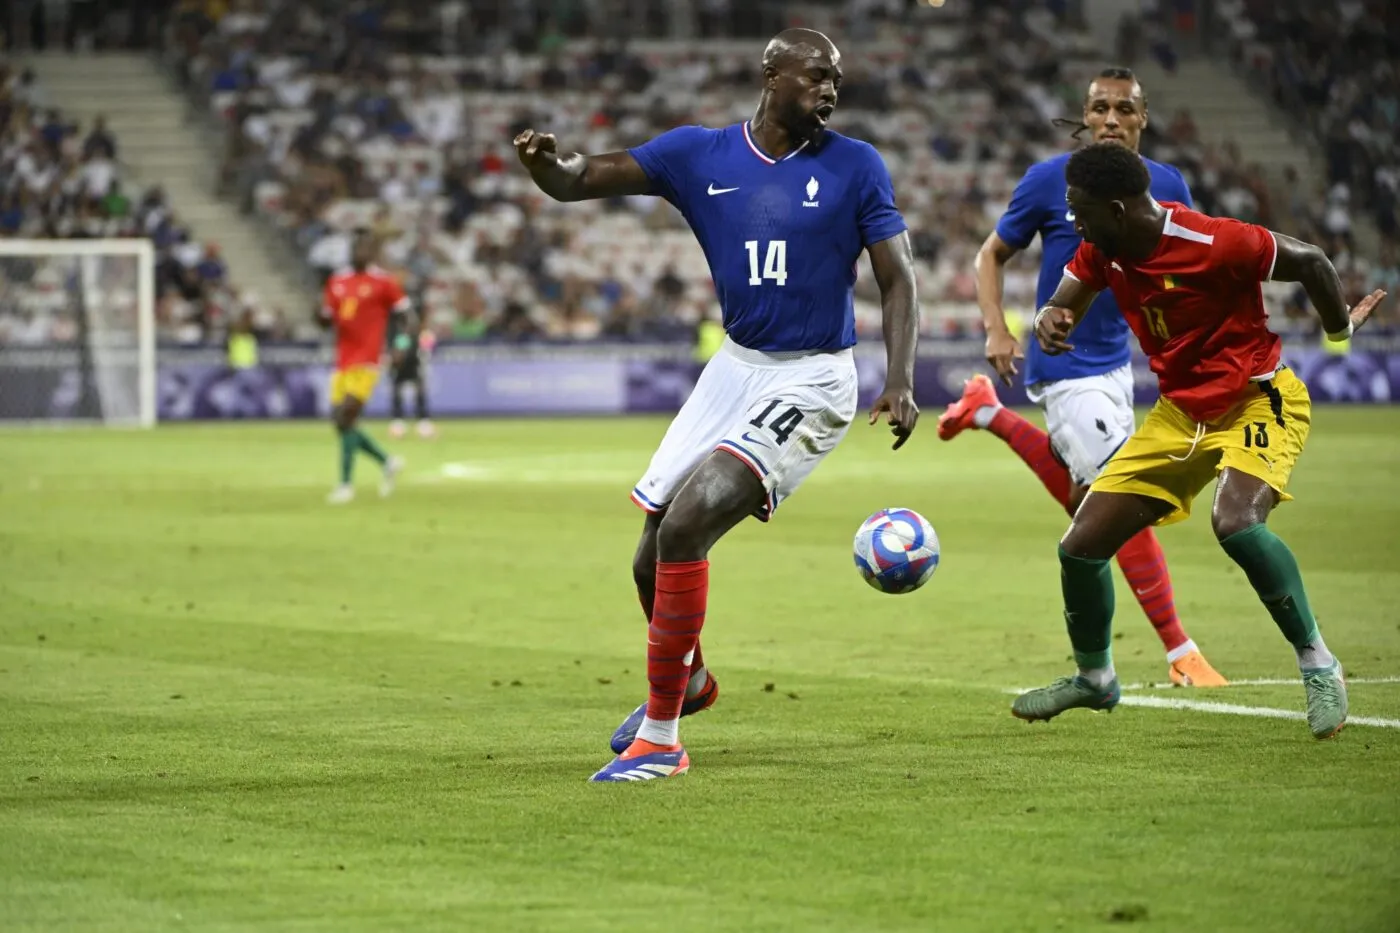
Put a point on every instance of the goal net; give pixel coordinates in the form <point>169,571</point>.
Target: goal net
<point>77,331</point>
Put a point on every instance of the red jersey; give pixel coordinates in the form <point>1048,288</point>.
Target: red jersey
<point>1196,306</point>
<point>360,304</point>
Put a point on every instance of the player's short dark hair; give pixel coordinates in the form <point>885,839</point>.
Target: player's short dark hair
<point>1108,172</point>
<point>1117,73</point>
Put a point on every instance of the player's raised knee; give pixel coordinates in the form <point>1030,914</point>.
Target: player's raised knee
<point>1241,502</point>
<point>1228,523</point>
<point>1080,545</point>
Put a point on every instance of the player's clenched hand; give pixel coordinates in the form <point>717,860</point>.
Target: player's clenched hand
<point>1052,327</point>
<point>1362,311</point>
<point>531,146</point>
<point>898,404</point>
<point>1003,350</point>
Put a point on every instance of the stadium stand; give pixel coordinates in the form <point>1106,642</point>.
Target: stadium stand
<point>60,180</point>
<point>1333,66</point>
<point>399,117</point>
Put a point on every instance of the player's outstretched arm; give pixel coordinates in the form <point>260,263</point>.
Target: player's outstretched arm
<point>572,176</point>
<point>893,262</point>
<point>1003,350</point>
<point>1309,266</point>
<point>1065,309</point>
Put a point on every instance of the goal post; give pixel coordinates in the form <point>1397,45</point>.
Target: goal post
<point>78,331</point>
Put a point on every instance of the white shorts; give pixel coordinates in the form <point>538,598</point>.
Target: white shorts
<point>1088,419</point>
<point>778,413</point>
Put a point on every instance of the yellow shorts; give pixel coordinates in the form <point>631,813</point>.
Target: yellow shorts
<point>355,382</point>
<point>1262,436</point>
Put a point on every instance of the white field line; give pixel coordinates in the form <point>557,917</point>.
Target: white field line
<point>1234,709</point>
<point>1261,682</point>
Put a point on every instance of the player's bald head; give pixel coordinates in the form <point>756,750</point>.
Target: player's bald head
<point>798,45</point>
<point>801,81</point>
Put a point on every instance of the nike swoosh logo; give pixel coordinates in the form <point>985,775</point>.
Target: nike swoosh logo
<point>746,436</point>
<point>713,190</point>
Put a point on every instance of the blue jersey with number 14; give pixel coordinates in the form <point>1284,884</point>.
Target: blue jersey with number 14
<point>1038,206</point>
<point>782,236</point>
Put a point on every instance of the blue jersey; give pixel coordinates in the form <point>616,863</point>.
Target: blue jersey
<point>1038,206</point>
<point>782,236</point>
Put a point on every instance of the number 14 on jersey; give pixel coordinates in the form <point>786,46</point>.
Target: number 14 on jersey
<point>774,262</point>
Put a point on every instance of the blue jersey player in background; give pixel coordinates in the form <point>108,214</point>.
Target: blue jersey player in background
<point>783,208</point>
<point>1087,394</point>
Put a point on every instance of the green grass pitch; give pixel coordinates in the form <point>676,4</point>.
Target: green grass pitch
<point>228,706</point>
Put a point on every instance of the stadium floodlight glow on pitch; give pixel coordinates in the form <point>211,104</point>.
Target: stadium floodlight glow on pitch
<point>102,365</point>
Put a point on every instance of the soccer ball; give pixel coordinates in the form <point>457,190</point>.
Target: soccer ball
<point>896,550</point>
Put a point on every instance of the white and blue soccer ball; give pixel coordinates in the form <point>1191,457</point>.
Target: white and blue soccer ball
<point>896,550</point>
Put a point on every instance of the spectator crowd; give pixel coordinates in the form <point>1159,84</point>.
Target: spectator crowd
<point>59,180</point>
<point>397,116</point>
<point>1334,66</point>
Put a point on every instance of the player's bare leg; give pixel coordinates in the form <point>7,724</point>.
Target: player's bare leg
<point>701,690</point>
<point>720,493</point>
<point>1104,522</point>
<point>1238,517</point>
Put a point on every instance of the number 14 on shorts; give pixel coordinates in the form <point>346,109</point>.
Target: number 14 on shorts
<point>774,262</point>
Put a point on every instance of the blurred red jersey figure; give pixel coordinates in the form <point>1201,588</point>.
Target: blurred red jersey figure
<point>358,302</point>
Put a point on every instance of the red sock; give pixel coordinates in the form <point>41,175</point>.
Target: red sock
<point>674,634</point>
<point>1145,567</point>
<point>1033,446</point>
<point>648,601</point>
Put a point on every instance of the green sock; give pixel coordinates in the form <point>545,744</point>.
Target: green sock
<point>370,447</point>
<point>348,446</point>
<point>1088,591</point>
<point>1273,572</point>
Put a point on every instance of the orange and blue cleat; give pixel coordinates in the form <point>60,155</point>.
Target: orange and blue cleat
<point>626,733</point>
<point>643,761</point>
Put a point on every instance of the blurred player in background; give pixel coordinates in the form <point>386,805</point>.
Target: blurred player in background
<point>1189,286</point>
<point>408,366</point>
<point>1087,394</point>
<point>358,303</point>
<point>783,209</point>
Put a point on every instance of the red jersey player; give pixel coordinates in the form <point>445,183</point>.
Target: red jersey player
<point>1188,285</point>
<point>358,302</point>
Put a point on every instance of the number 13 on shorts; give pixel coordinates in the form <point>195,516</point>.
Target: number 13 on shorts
<point>774,262</point>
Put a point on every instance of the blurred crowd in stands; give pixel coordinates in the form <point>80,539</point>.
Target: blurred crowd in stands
<point>1336,67</point>
<point>397,115</point>
<point>59,180</point>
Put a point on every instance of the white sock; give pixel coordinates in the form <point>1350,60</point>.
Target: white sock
<point>1181,650</point>
<point>698,679</point>
<point>660,732</point>
<point>1314,656</point>
<point>1099,677</point>
<point>983,416</point>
